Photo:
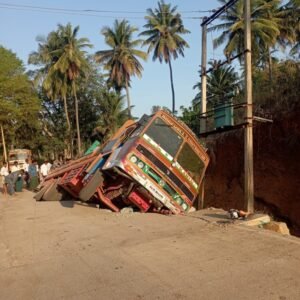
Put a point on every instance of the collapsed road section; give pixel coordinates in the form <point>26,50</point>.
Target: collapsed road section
<point>155,164</point>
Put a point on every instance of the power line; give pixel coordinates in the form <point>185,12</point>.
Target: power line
<point>90,10</point>
<point>68,13</point>
<point>78,13</point>
<point>218,12</point>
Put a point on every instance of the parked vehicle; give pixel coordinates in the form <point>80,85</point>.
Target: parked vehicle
<point>19,155</point>
<point>155,164</point>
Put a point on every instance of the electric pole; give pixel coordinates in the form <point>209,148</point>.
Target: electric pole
<point>248,136</point>
<point>203,98</point>
<point>203,77</point>
<point>3,144</point>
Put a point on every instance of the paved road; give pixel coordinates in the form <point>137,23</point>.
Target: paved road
<point>51,250</point>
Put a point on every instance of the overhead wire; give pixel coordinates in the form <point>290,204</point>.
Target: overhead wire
<point>86,12</point>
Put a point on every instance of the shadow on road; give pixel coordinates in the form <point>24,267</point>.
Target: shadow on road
<point>216,216</point>
<point>67,203</point>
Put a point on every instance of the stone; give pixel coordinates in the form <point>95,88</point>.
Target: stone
<point>279,227</point>
<point>192,209</point>
<point>257,220</point>
<point>126,210</point>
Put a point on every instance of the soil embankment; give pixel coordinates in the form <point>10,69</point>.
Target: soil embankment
<point>276,170</point>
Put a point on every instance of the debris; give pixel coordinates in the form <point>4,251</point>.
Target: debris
<point>257,220</point>
<point>237,214</point>
<point>279,227</point>
<point>192,209</point>
<point>126,210</point>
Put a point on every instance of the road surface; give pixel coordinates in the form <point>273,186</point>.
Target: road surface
<point>52,250</point>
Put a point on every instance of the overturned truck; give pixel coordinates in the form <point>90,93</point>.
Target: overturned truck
<point>155,164</point>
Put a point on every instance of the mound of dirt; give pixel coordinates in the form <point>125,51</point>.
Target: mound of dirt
<point>276,170</point>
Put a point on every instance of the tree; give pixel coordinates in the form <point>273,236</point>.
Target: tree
<point>265,23</point>
<point>290,29</point>
<point>223,82</point>
<point>52,82</point>
<point>19,104</point>
<point>71,64</point>
<point>122,60</point>
<point>112,114</point>
<point>63,62</point>
<point>164,29</point>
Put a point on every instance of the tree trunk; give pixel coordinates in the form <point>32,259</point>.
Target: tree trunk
<point>172,87</point>
<point>77,123</point>
<point>4,144</point>
<point>67,114</point>
<point>128,100</point>
<point>270,68</point>
<point>68,152</point>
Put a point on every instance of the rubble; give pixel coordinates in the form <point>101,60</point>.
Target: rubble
<point>279,227</point>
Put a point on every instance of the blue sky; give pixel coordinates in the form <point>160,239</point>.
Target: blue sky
<point>19,29</point>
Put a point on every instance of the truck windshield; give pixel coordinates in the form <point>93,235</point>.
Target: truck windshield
<point>164,136</point>
<point>191,162</point>
<point>18,156</point>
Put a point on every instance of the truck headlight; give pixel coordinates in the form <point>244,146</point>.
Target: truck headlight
<point>141,164</point>
<point>184,206</point>
<point>133,159</point>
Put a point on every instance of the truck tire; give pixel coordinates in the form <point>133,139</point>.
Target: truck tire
<point>54,192</point>
<point>90,188</point>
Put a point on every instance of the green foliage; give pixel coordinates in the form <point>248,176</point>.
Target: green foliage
<point>122,59</point>
<point>190,116</point>
<point>112,115</point>
<point>222,83</point>
<point>164,28</point>
<point>265,25</point>
<point>90,90</point>
<point>286,89</point>
<point>19,104</point>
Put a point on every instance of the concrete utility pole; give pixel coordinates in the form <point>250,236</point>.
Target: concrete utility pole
<point>203,77</point>
<point>203,99</point>
<point>248,137</point>
<point>3,144</point>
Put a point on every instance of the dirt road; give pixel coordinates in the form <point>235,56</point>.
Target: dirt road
<point>51,250</point>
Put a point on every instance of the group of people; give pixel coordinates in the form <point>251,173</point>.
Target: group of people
<point>14,178</point>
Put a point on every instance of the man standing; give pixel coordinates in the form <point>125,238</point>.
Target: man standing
<point>49,165</point>
<point>26,165</point>
<point>4,173</point>
<point>44,169</point>
<point>33,176</point>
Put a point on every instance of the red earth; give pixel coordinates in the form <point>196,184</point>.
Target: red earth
<point>276,170</point>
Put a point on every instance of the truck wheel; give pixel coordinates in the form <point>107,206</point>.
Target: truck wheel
<point>90,188</point>
<point>54,192</point>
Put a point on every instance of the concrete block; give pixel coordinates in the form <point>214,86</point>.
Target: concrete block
<point>257,220</point>
<point>279,227</point>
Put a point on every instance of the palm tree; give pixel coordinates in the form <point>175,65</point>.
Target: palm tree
<point>290,29</point>
<point>265,24</point>
<point>112,114</point>
<point>54,84</point>
<point>122,60</point>
<point>71,65</point>
<point>222,83</point>
<point>164,29</point>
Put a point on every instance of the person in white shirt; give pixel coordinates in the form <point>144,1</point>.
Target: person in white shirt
<point>3,173</point>
<point>15,167</point>
<point>49,165</point>
<point>26,165</point>
<point>44,169</point>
